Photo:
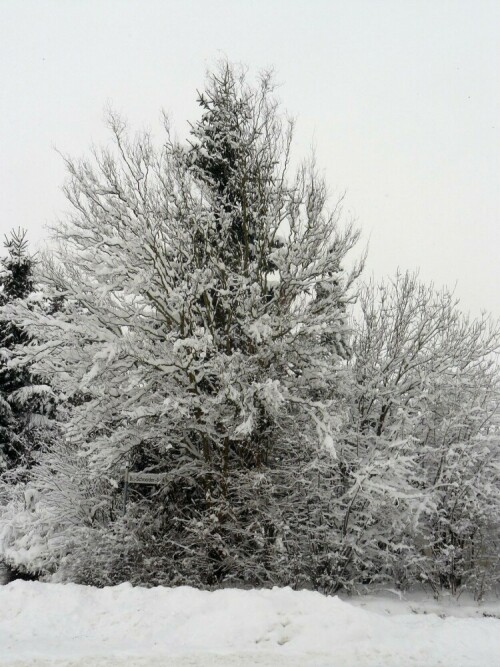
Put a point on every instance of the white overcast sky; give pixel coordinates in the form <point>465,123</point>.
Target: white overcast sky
<point>401,100</point>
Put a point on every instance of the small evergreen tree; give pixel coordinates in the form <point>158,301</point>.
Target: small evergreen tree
<point>25,403</point>
<point>16,282</point>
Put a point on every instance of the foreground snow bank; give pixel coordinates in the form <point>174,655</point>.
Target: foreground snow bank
<point>48,624</point>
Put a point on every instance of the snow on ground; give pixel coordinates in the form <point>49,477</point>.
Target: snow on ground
<point>44,625</point>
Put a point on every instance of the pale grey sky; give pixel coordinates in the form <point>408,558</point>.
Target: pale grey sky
<point>400,98</point>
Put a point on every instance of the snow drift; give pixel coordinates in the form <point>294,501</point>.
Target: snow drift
<point>55,624</point>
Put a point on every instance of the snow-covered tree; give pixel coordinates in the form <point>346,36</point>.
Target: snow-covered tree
<point>24,400</point>
<point>425,405</point>
<point>201,281</point>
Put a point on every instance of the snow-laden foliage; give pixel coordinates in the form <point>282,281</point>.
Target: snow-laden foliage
<point>200,281</point>
<point>26,402</point>
<point>195,322</point>
<point>425,406</point>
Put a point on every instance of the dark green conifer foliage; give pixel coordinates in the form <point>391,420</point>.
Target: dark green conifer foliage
<point>221,142</point>
<point>232,152</point>
<point>16,282</point>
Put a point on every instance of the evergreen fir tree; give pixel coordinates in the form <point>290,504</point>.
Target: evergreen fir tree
<point>23,399</point>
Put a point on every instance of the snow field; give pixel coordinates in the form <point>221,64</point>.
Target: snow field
<point>68,625</point>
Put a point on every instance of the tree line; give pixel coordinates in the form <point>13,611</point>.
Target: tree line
<point>196,318</point>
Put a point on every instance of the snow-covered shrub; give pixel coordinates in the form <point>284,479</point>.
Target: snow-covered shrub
<point>44,520</point>
<point>25,536</point>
